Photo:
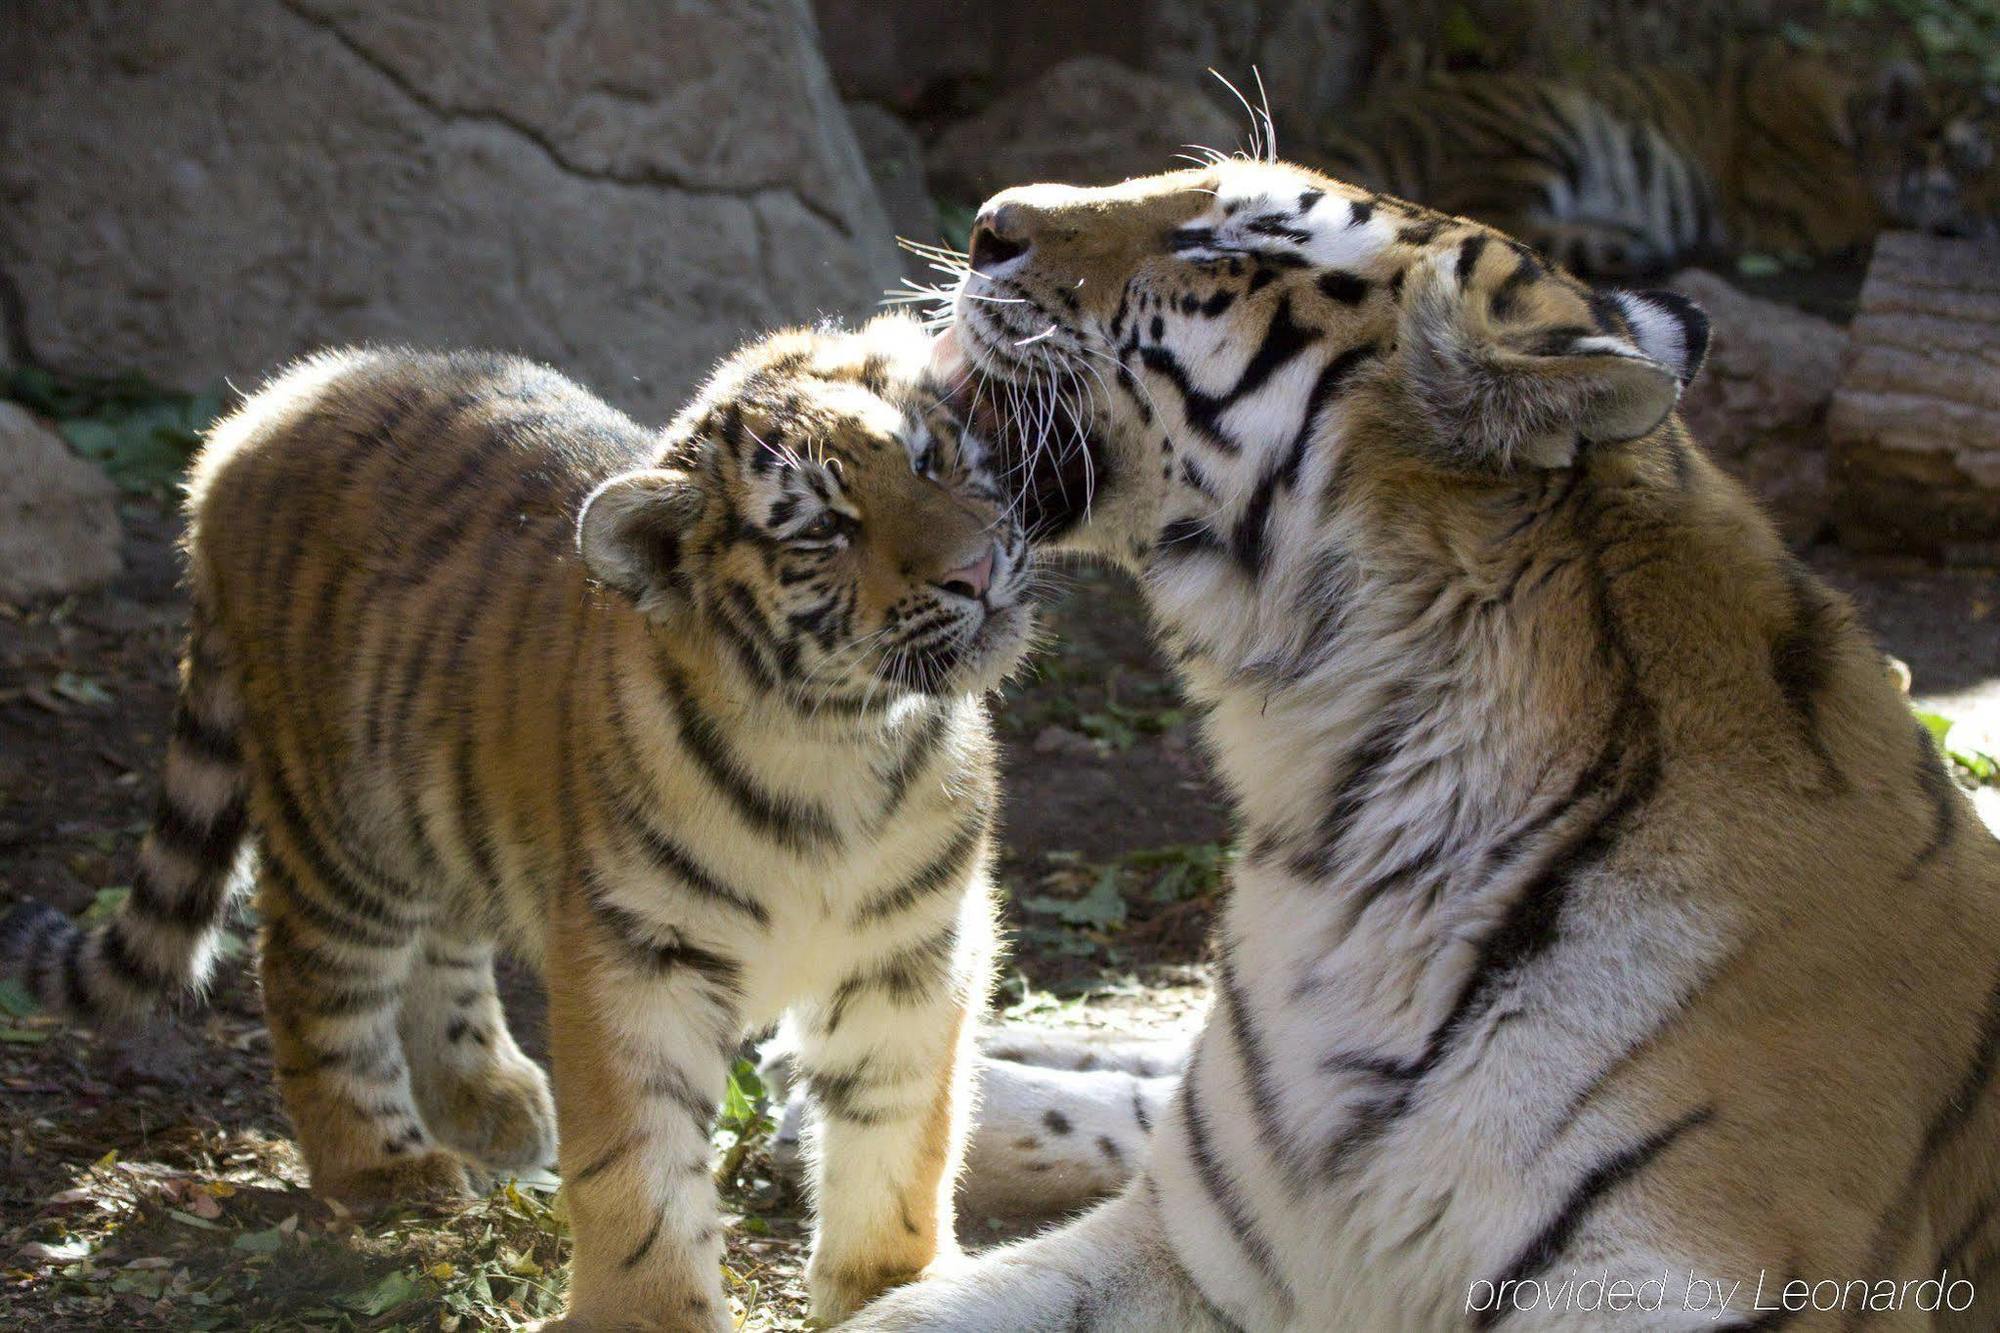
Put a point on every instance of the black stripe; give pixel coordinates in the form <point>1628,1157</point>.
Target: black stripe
<point>1508,294</point>
<point>1955,1248</point>
<point>1256,1062</point>
<point>1222,1190</point>
<point>910,975</point>
<point>645,1246</point>
<point>76,987</point>
<point>210,844</point>
<point>141,972</point>
<point>1469,251</point>
<point>605,1160</point>
<point>1181,538</point>
<point>1942,793</point>
<point>941,872</point>
<point>1956,1111</point>
<point>838,1093</point>
<point>1249,538</point>
<point>1803,658</point>
<point>330,920</point>
<point>1543,1251</point>
<point>916,755</point>
<point>1342,287</point>
<point>372,903</point>
<point>1284,339</point>
<point>675,1085</point>
<point>741,643</point>
<point>671,858</point>
<point>642,943</point>
<point>799,824</point>
<point>217,745</point>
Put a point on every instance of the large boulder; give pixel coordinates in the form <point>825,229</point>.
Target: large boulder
<point>200,188</point>
<point>1088,121</point>
<point>1760,402</point>
<point>1916,423</point>
<point>59,528</point>
<point>895,157</point>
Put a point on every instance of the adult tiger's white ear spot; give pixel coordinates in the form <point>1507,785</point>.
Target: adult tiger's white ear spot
<point>1667,327</point>
<point>631,530</point>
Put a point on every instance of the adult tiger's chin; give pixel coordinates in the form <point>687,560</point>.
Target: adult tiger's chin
<point>1037,421</point>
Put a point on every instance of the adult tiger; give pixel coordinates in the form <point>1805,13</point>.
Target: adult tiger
<point>1602,914</point>
<point>1634,171</point>
<point>690,718</point>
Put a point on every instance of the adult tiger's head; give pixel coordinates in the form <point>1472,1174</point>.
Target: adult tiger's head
<point>823,511</point>
<point>1170,358</point>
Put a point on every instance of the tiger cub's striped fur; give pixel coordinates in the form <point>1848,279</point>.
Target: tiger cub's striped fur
<point>1634,171</point>
<point>1602,914</point>
<point>690,718</point>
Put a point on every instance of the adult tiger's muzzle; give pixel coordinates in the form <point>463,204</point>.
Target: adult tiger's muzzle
<point>1050,464</point>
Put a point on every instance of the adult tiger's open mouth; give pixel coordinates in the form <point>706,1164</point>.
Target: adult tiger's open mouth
<point>1037,420</point>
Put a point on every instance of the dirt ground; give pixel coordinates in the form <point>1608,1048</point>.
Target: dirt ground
<point>149,1181</point>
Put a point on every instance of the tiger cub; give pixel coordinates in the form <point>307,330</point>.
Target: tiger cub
<point>690,718</point>
<point>1631,172</point>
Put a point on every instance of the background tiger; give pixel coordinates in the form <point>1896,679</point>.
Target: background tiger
<point>689,718</point>
<point>1632,171</point>
<point>1601,910</point>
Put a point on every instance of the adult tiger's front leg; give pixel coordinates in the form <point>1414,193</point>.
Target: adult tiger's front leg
<point>642,1025</point>
<point>887,1062</point>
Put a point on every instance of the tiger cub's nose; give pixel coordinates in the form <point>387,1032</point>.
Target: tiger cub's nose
<point>970,580</point>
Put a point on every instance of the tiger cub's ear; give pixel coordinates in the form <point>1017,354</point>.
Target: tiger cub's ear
<point>631,531</point>
<point>1499,394</point>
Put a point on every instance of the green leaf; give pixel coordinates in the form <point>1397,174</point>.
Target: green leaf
<point>397,1288</point>
<point>266,1241</point>
<point>1940,725</point>
<point>1103,906</point>
<point>106,904</point>
<point>1754,265</point>
<point>15,1002</point>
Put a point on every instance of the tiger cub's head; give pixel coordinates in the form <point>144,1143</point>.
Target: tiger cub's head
<point>822,510</point>
<point>1196,366</point>
<point>1931,152</point>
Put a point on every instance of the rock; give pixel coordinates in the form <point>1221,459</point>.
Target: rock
<point>59,528</point>
<point>1916,422</point>
<point>900,51</point>
<point>1312,56</point>
<point>1759,404</point>
<point>1088,121</point>
<point>895,158</point>
<point>617,190</point>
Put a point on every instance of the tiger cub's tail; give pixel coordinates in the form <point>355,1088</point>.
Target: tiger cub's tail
<point>162,942</point>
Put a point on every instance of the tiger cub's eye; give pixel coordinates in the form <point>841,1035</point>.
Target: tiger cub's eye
<point>829,525</point>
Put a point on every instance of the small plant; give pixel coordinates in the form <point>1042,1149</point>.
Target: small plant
<point>1970,765</point>
<point>139,432</point>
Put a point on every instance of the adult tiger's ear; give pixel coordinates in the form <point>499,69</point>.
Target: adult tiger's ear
<point>632,530</point>
<point>1500,394</point>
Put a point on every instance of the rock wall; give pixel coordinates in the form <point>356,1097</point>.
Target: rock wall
<point>1916,423</point>
<point>205,188</point>
<point>1759,405</point>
